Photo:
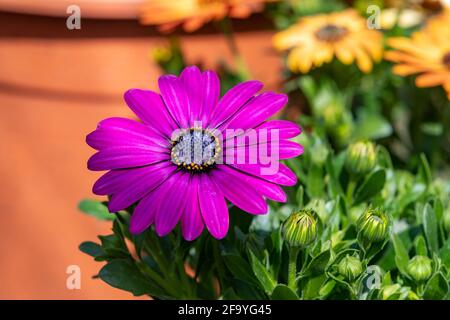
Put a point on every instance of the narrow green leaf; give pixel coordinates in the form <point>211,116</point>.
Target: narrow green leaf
<point>239,268</point>
<point>91,248</point>
<point>371,186</point>
<point>283,292</point>
<point>430,228</point>
<point>420,246</point>
<point>436,288</point>
<point>401,254</point>
<point>264,277</point>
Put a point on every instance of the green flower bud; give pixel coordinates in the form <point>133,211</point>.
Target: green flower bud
<point>300,228</point>
<point>332,114</point>
<point>373,225</point>
<point>419,268</point>
<point>161,54</point>
<point>361,157</point>
<point>350,267</point>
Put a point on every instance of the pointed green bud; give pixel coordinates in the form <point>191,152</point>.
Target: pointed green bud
<point>300,228</point>
<point>373,225</point>
<point>419,268</point>
<point>361,157</point>
<point>350,267</point>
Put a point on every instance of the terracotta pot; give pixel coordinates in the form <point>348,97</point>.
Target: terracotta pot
<point>55,85</point>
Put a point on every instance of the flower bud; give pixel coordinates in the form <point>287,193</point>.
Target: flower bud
<point>419,268</point>
<point>350,267</point>
<point>373,225</point>
<point>161,54</point>
<point>361,157</point>
<point>300,228</point>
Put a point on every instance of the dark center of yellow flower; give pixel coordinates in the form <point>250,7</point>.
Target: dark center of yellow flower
<point>208,2</point>
<point>331,33</point>
<point>446,59</point>
<point>195,150</point>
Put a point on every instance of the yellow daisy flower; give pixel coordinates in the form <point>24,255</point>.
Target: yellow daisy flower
<point>426,53</point>
<point>192,14</point>
<point>315,40</point>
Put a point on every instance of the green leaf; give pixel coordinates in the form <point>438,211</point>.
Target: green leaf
<point>315,181</point>
<point>264,277</point>
<point>239,268</point>
<point>124,274</point>
<point>424,170</point>
<point>327,288</point>
<point>283,292</point>
<point>319,263</point>
<point>91,248</point>
<point>401,254</point>
<point>96,209</point>
<point>371,186</point>
<point>371,125</point>
<point>430,228</point>
<point>421,246</point>
<point>444,253</point>
<point>436,288</point>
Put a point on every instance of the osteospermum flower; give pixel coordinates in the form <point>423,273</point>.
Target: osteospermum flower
<point>315,40</point>
<point>193,14</point>
<point>182,161</point>
<point>426,53</point>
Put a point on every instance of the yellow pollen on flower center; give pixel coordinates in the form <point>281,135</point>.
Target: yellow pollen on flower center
<point>331,33</point>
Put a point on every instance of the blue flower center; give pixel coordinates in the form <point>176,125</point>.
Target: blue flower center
<point>195,150</point>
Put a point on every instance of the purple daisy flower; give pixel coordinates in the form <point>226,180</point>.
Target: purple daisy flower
<point>184,159</point>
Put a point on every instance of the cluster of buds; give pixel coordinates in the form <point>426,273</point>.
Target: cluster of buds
<point>373,225</point>
<point>419,268</point>
<point>361,158</point>
<point>300,229</point>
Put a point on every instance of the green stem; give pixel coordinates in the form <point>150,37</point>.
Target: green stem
<point>241,66</point>
<point>292,267</point>
<point>351,189</point>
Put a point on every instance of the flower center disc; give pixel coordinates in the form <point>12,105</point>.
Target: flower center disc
<point>446,60</point>
<point>195,150</point>
<point>331,33</point>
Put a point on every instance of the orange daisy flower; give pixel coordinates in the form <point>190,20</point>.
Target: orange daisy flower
<point>193,14</point>
<point>315,40</point>
<point>426,53</point>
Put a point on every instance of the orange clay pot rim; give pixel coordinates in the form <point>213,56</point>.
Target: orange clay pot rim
<point>96,9</point>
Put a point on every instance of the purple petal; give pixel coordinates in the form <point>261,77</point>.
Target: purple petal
<point>233,100</point>
<point>191,220</point>
<point>136,189</point>
<point>144,213</point>
<point>149,107</point>
<point>257,110</point>
<point>116,180</point>
<point>265,188</point>
<point>287,129</point>
<point>284,176</point>
<point>122,131</point>
<point>125,157</point>
<point>175,98</point>
<point>211,93</point>
<point>239,192</point>
<point>214,208</point>
<point>173,202</point>
<point>191,77</point>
